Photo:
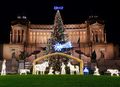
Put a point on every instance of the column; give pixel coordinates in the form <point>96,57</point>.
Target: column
<point>105,41</point>
<point>39,38</point>
<point>31,37</point>
<point>20,36</point>
<point>12,35</point>
<point>69,36</point>
<point>73,37</point>
<point>16,36</point>
<point>98,33</point>
<point>45,39</point>
<point>88,31</point>
<point>42,38</point>
<point>100,36</point>
<point>92,36</point>
<point>81,40</point>
<point>35,37</point>
<point>103,38</point>
<point>84,36</point>
<point>23,36</point>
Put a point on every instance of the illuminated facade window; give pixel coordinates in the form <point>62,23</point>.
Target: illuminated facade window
<point>34,37</point>
<point>31,37</point>
<point>84,36</point>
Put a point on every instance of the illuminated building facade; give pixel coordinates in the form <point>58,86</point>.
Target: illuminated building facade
<point>30,37</point>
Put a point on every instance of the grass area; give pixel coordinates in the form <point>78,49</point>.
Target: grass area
<point>58,81</point>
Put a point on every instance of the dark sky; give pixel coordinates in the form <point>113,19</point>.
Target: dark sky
<point>75,11</point>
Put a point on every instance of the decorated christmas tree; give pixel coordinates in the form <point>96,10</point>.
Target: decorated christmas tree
<point>58,42</point>
<point>58,28</point>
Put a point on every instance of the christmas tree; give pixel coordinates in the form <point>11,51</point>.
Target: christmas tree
<point>58,33</point>
<point>58,36</point>
<point>58,43</point>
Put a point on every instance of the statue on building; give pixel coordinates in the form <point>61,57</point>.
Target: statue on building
<point>102,54</point>
<point>13,55</point>
<point>13,62</point>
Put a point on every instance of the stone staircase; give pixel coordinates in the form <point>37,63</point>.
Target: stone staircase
<point>103,65</point>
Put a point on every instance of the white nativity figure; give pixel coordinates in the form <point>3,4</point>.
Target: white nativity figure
<point>73,68</point>
<point>24,71</point>
<point>96,72</point>
<point>63,71</point>
<point>51,71</point>
<point>113,71</point>
<point>77,70</point>
<point>57,72</point>
<point>3,71</point>
<point>41,68</point>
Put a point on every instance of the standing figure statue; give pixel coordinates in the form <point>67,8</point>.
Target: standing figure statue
<point>63,69</point>
<point>3,71</point>
<point>73,68</point>
<point>77,70</point>
<point>96,72</point>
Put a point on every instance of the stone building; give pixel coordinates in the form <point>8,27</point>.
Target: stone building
<point>30,37</point>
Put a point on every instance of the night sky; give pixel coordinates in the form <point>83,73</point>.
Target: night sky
<point>75,11</point>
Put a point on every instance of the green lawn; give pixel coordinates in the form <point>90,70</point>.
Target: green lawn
<point>58,81</point>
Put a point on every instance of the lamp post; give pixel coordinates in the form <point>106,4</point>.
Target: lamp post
<point>79,45</point>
